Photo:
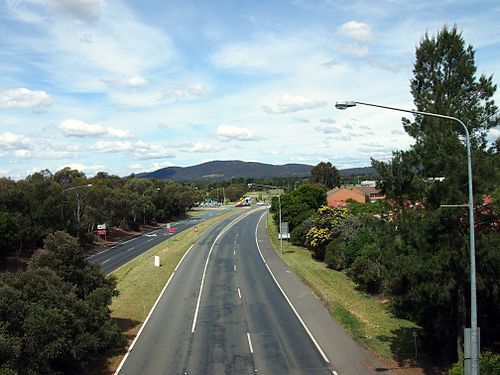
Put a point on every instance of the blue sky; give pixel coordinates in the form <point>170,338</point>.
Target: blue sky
<point>132,86</point>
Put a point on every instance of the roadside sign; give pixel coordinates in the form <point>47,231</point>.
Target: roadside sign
<point>285,231</point>
<point>101,226</point>
<point>101,232</point>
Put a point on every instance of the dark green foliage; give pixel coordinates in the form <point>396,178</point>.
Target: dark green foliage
<point>325,174</point>
<point>427,274</point>
<point>368,274</point>
<point>8,230</point>
<point>298,205</point>
<point>298,234</point>
<point>427,262</point>
<point>63,254</point>
<point>234,192</point>
<point>334,255</point>
<point>489,364</point>
<point>55,316</point>
<point>42,203</point>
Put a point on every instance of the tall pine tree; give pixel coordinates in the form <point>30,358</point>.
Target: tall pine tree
<point>435,294</point>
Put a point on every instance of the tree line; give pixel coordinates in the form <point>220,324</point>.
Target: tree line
<point>409,248</point>
<point>43,202</point>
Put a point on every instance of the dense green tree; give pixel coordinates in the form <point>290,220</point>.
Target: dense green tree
<point>324,227</point>
<point>444,82</point>
<point>429,272</point>
<point>46,329</point>
<point>63,254</point>
<point>325,174</point>
<point>299,204</point>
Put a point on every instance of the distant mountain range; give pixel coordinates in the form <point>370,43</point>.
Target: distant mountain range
<point>226,170</point>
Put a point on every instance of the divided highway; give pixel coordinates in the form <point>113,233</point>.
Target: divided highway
<point>222,313</point>
<point>115,257</point>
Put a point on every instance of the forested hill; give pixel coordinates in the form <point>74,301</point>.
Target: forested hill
<point>226,170</point>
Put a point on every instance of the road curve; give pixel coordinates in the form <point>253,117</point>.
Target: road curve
<point>243,323</point>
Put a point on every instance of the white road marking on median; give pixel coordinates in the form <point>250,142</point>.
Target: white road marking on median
<point>286,297</point>
<point>239,293</point>
<point>106,261</point>
<point>250,342</point>
<point>132,248</point>
<point>226,228</point>
<point>234,252</point>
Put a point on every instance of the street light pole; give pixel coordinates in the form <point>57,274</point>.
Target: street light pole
<point>472,247</point>
<point>281,234</point>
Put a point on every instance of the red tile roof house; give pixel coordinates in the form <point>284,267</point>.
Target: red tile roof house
<point>338,196</point>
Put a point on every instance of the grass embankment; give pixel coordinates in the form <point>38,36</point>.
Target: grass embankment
<point>366,318</point>
<point>140,283</point>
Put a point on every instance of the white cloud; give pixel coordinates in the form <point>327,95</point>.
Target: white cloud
<point>118,133</point>
<point>239,56</point>
<point>111,146</point>
<point>78,128</point>
<point>200,147</point>
<point>356,50</point>
<point>24,98</point>
<point>398,132</point>
<point>298,120</point>
<point>82,167</point>
<point>356,30</point>
<point>327,129</point>
<point>138,150</point>
<point>128,81</point>
<point>11,141</point>
<point>184,92</point>
<point>233,133</point>
<point>328,120</point>
<point>47,154</point>
<point>293,103</point>
<point>80,10</point>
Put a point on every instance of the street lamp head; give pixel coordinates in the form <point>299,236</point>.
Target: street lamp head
<point>343,104</point>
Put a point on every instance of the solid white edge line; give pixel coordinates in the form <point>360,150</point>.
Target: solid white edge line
<point>286,297</point>
<point>180,261</point>
<point>250,342</point>
<point>150,313</point>
<point>226,228</point>
<point>239,293</point>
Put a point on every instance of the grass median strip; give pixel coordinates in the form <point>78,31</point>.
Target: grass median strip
<point>140,283</point>
<point>366,318</point>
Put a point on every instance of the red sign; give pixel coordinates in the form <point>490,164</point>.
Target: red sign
<point>101,232</point>
<point>171,230</point>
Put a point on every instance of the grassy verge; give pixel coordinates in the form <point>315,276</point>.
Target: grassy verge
<point>140,284</point>
<point>366,318</point>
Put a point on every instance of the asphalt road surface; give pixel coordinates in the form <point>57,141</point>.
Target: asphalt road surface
<point>222,313</point>
<point>115,257</point>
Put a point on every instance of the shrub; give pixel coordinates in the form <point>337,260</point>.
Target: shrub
<point>368,274</point>
<point>298,234</point>
<point>489,364</point>
<point>334,254</point>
